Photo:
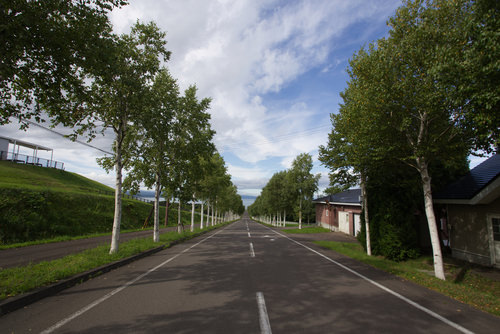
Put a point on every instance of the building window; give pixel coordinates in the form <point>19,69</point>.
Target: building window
<point>327,212</point>
<point>496,228</point>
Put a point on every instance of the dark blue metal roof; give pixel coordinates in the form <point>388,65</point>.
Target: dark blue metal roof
<point>473,182</point>
<point>351,196</point>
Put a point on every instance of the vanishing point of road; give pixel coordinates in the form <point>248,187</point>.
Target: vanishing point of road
<point>247,278</point>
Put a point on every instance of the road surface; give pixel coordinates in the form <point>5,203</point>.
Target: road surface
<point>247,278</point>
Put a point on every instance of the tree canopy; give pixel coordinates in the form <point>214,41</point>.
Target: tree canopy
<point>289,191</point>
<point>409,100</point>
<point>49,49</point>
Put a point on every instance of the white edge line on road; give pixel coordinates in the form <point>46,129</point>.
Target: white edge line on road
<point>394,293</point>
<point>117,290</point>
<point>252,253</point>
<point>265,326</point>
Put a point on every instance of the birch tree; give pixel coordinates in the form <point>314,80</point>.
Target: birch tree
<point>192,138</point>
<point>420,107</point>
<point>153,159</point>
<point>286,195</point>
<point>200,145</point>
<point>122,95</point>
<point>303,181</point>
<point>413,112</point>
<point>353,148</point>
<point>215,181</point>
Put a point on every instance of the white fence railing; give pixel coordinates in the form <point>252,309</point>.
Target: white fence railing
<point>30,160</point>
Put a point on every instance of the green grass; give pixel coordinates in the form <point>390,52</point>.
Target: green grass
<point>286,225</point>
<point>307,230</point>
<point>66,238</point>
<point>33,177</point>
<point>462,282</point>
<point>39,203</point>
<point>18,280</point>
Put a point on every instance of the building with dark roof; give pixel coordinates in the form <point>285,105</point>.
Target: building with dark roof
<point>340,212</point>
<point>476,187</point>
<point>468,210</point>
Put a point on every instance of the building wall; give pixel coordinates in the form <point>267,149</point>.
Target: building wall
<point>330,220</point>
<point>469,235</point>
<point>325,217</point>
<point>4,147</point>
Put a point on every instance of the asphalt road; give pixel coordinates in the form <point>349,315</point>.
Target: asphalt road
<point>247,278</point>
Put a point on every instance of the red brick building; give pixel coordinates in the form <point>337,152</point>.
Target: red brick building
<point>340,212</point>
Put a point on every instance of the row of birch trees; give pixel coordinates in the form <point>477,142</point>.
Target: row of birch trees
<point>424,95</point>
<point>162,138</point>
<point>288,192</point>
<point>63,64</point>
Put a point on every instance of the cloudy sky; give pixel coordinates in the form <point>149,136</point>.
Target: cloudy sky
<point>274,69</point>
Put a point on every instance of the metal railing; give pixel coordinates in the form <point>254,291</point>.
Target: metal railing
<point>30,160</point>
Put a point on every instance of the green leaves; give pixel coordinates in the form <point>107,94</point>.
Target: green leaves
<point>288,190</point>
<point>49,49</point>
<point>410,98</point>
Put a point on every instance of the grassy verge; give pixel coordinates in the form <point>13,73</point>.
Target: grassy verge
<point>307,230</point>
<point>270,225</point>
<point>462,282</point>
<point>27,216</point>
<point>15,281</point>
<point>13,175</point>
<point>64,238</point>
<point>86,236</point>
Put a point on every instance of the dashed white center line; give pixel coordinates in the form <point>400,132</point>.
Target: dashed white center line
<point>119,289</point>
<point>265,326</point>
<point>252,253</point>
<point>249,235</point>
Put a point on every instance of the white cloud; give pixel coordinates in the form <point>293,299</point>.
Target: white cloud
<point>249,180</point>
<point>237,50</point>
<point>244,55</point>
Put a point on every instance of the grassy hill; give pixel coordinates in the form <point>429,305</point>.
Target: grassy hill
<point>40,203</point>
<point>14,175</point>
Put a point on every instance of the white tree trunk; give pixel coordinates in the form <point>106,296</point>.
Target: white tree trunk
<point>156,233</point>
<point>201,216</point>
<point>300,214</point>
<point>284,218</point>
<point>192,215</point>
<point>213,213</point>
<point>167,205</point>
<point>208,213</point>
<point>367,219</point>
<point>431,219</point>
<point>115,236</point>
<point>180,228</point>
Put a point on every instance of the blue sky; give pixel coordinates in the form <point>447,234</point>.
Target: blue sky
<point>274,70</point>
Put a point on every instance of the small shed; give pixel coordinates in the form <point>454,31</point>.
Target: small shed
<point>468,213</point>
<point>340,212</point>
<point>32,159</point>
